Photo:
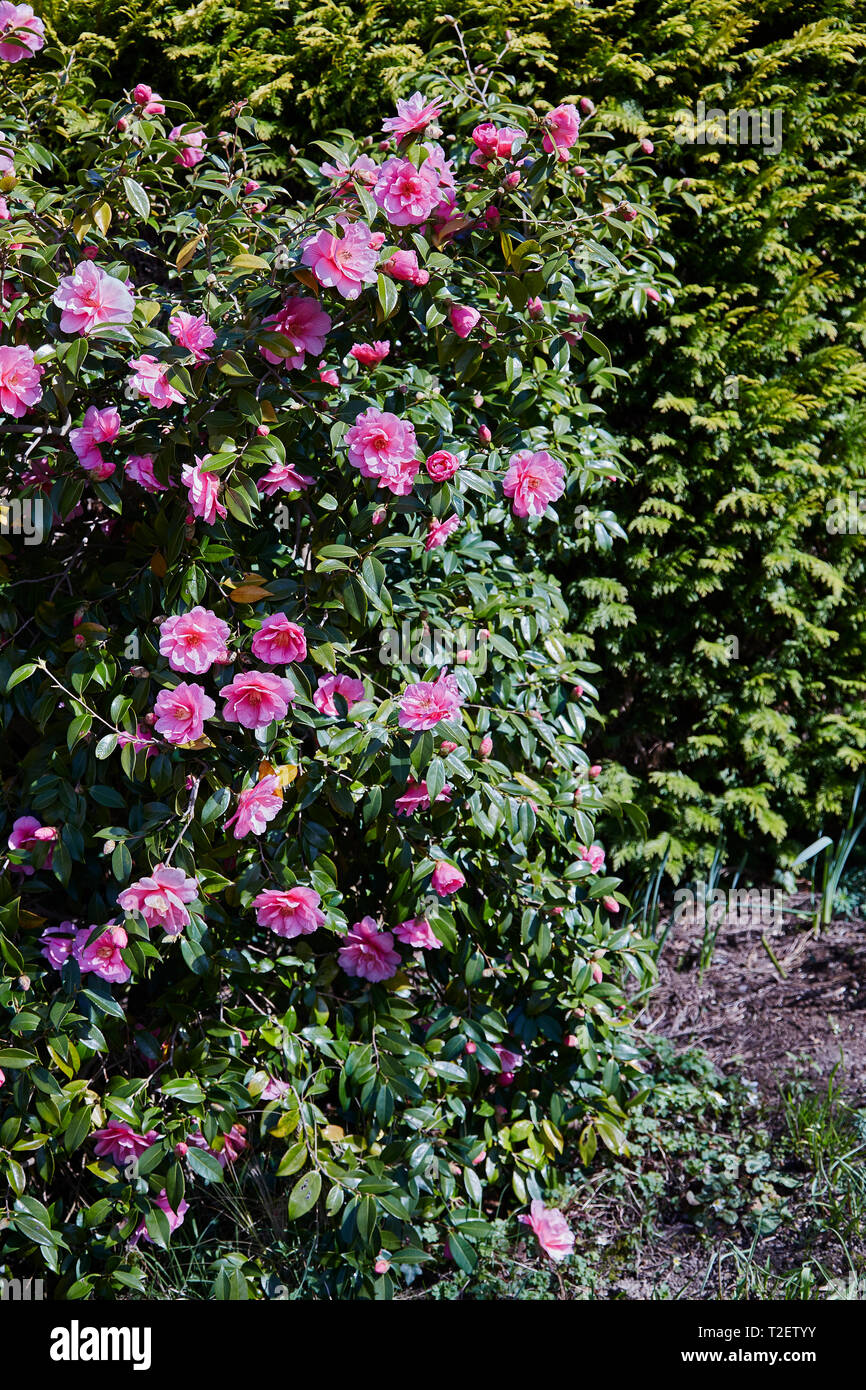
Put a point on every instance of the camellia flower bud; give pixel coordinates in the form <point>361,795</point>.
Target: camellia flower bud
<point>484,434</point>
<point>263,430</point>
<point>653,295</point>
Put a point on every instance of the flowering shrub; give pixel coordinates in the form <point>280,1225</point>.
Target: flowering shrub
<point>302,891</point>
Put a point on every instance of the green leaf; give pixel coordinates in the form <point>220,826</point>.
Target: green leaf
<point>184,1088</point>
<point>138,199</point>
<point>22,674</point>
<point>16,1057</point>
<point>305,1194</point>
<point>389,295</point>
<point>203,1163</point>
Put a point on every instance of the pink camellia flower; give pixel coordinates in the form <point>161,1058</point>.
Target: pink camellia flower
<point>535,308</point>
<point>444,171</point>
<point>20,389</point>
<point>279,641</point>
<point>193,332</point>
<point>439,531</point>
<point>230,1145</point>
<point>139,467</point>
<point>551,1230</point>
<point>463,319</point>
<point>27,832</point>
<point>300,320</point>
<point>425,703</point>
<point>289,912</point>
<point>21,33</point>
<point>90,298</point>
<point>441,466</point>
<point>351,690</point>
<point>175,1218</point>
<point>370,354</point>
<point>363,169</point>
<point>58,943</point>
<point>203,489</point>
<point>192,144</point>
<point>161,898</point>
<point>447,878</point>
<point>120,1142</point>
<point>533,481</point>
<point>346,262</point>
<point>150,380</point>
<point>283,477</point>
<point>407,196</point>
<point>99,427</point>
<point>509,1061</point>
<point>139,740</point>
<point>403,265</point>
<point>562,128</point>
<point>149,101</point>
<point>368,953</point>
<point>256,807</point>
<point>257,698</point>
<point>494,142</point>
<point>412,114</point>
<point>102,956</point>
<point>274,1088</point>
<point>486,746</point>
<point>594,856</point>
<point>382,446</point>
<point>417,932</point>
<point>417,798</point>
<point>5,214</point>
<point>181,713</point>
<point>193,641</point>
<point>328,375</point>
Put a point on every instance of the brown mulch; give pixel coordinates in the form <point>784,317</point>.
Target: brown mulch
<point>748,1017</point>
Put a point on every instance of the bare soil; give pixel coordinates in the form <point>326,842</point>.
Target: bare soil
<point>748,1016</point>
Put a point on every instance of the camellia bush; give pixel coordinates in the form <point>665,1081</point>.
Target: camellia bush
<point>311,961</point>
<point>730,627</point>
